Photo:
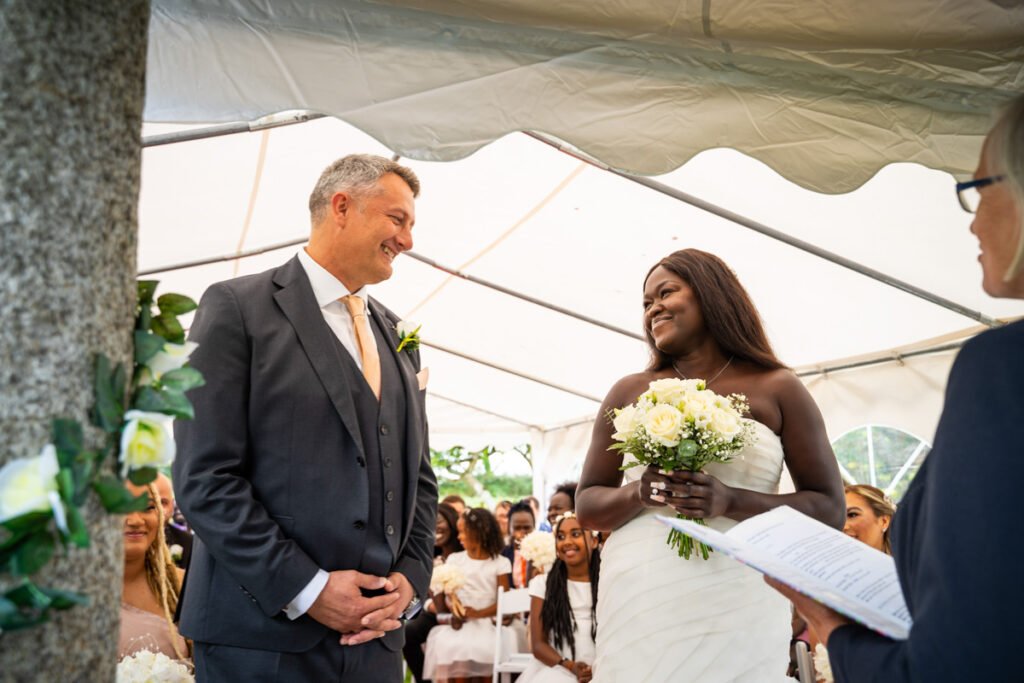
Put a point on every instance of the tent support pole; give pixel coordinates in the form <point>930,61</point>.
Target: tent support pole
<point>773,233</point>
<point>510,371</point>
<point>272,121</point>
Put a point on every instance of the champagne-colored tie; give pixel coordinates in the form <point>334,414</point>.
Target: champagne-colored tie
<point>364,337</point>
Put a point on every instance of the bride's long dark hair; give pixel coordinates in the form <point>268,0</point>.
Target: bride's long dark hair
<point>729,314</point>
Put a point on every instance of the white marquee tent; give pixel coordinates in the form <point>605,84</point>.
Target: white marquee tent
<point>829,98</point>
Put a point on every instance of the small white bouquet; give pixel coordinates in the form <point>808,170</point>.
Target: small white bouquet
<point>681,425</point>
<point>539,547</point>
<point>822,665</point>
<point>447,579</point>
<point>147,667</point>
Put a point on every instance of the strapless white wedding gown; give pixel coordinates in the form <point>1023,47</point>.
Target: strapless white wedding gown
<point>661,618</point>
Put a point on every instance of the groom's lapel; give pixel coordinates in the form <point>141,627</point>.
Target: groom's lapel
<point>298,303</point>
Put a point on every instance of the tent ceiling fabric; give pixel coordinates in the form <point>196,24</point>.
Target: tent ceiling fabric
<point>825,93</point>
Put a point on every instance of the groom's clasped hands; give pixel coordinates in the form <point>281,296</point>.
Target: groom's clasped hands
<point>342,606</point>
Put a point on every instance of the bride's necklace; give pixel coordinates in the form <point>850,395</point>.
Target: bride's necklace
<point>707,383</point>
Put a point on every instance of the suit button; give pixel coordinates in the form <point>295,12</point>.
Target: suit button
<point>361,461</point>
<point>359,524</point>
<point>390,496</point>
<point>390,530</point>
<point>387,462</point>
<point>384,430</point>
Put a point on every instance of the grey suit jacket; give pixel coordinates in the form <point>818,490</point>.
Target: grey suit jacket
<point>269,473</point>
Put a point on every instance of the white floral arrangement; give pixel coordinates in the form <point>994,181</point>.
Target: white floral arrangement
<point>822,664</point>
<point>539,547</point>
<point>447,579</point>
<point>408,335</point>
<point>681,425</point>
<point>148,667</point>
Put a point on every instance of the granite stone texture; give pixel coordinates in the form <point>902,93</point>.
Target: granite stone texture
<point>71,95</point>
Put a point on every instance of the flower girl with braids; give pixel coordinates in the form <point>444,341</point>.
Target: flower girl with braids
<point>151,584</point>
<point>562,611</point>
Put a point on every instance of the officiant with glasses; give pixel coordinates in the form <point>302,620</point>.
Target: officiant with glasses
<point>955,537</point>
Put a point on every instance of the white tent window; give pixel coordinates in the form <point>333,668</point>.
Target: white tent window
<point>882,456</point>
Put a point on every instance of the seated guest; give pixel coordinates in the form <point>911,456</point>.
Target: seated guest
<point>562,500</point>
<point>535,506</point>
<point>446,542</point>
<point>953,537</point>
<point>562,622</point>
<point>464,648</point>
<point>501,514</point>
<point>521,522</point>
<point>178,536</point>
<point>151,584</point>
<point>456,502</point>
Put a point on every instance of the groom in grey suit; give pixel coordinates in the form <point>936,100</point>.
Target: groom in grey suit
<point>306,473</point>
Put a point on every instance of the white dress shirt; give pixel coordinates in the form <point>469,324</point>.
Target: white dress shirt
<point>328,291</point>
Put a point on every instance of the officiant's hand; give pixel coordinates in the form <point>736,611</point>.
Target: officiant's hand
<point>342,606</point>
<point>694,494</point>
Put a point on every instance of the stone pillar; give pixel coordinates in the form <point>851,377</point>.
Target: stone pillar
<point>71,95</point>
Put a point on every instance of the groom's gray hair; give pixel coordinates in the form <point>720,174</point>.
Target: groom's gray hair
<point>356,174</point>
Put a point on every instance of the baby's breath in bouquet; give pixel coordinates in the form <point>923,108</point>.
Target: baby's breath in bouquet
<point>447,579</point>
<point>677,425</point>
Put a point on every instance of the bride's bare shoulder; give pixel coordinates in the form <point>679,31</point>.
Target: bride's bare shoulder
<point>629,387</point>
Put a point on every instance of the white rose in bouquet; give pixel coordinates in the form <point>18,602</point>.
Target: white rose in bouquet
<point>171,357</point>
<point>30,485</point>
<point>147,441</point>
<point>663,424</point>
<point>626,421</point>
<point>539,547</point>
<point>447,579</point>
<point>148,667</point>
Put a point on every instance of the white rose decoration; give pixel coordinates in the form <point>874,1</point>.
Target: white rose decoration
<point>625,422</point>
<point>726,422</point>
<point>147,441</point>
<point>663,424</point>
<point>30,485</point>
<point>406,327</point>
<point>171,357</point>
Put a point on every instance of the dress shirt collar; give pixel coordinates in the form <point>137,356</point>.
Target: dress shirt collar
<point>326,288</point>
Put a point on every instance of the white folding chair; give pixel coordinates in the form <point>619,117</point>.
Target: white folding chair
<point>804,663</point>
<point>507,659</point>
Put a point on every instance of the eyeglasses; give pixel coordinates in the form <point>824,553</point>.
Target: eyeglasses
<point>968,193</point>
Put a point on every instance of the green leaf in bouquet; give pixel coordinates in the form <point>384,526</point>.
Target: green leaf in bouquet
<point>62,599</point>
<point>686,449</point>
<point>109,408</point>
<point>34,551</point>
<point>175,304</point>
<point>164,400</point>
<point>83,469</point>
<point>147,345</point>
<point>68,439</point>
<point>142,476</point>
<point>27,595</point>
<point>182,379</point>
<point>78,532</point>
<point>167,326</point>
<point>147,288</point>
<point>66,484</point>
<point>18,527</point>
<point>116,498</point>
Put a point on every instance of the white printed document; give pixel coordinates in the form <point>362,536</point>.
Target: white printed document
<point>824,563</point>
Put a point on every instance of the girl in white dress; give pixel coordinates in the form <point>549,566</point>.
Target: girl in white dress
<point>562,622</point>
<point>662,618</point>
<point>463,650</point>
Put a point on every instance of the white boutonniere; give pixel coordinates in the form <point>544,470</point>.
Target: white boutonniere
<point>177,552</point>
<point>408,334</point>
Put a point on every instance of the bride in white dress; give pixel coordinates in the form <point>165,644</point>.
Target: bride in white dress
<point>660,617</point>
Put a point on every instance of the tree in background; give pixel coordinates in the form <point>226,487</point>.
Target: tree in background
<point>469,474</point>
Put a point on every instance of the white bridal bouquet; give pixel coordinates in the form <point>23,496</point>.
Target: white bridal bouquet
<point>447,579</point>
<point>539,547</point>
<point>677,425</point>
<point>148,667</point>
